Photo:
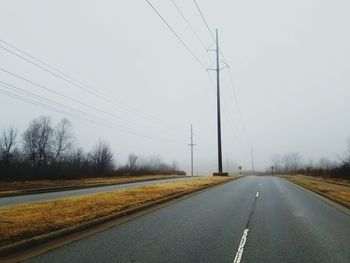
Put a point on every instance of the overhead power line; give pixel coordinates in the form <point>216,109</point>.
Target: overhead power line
<point>63,109</point>
<point>176,35</point>
<point>228,66</point>
<point>204,20</point>
<point>208,28</point>
<point>238,105</point>
<point>72,99</point>
<point>188,24</point>
<point>74,82</point>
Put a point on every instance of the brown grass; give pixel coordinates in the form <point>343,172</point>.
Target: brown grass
<point>344,182</point>
<point>325,187</point>
<point>19,186</point>
<point>25,221</point>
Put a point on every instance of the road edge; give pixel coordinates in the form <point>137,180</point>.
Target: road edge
<point>10,250</point>
<point>338,204</point>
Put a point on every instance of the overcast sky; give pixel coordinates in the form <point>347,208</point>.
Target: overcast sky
<point>289,62</point>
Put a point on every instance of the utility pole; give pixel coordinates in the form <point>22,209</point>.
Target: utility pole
<point>217,51</point>
<point>218,103</point>
<point>252,159</point>
<point>191,144</point>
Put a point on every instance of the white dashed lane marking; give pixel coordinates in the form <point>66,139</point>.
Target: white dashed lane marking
<point>239,252</point>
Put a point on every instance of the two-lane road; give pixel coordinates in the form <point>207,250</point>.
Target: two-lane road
<point>284,224</point>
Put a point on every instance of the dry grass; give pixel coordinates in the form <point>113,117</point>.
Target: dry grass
<point>17,186</point>
<point>344,182</point>
<point>334,191</point>
<point>25,221</point>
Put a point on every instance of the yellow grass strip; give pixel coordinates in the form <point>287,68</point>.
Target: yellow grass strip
<point>18,186</point>
<point>344,182</point>
<point>333,191</point>
<point>25,221</point>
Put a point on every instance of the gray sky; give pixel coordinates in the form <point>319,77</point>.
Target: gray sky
<point>289,61</point>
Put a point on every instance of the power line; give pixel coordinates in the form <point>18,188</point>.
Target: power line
<point>90,120</point>
<point>176,35</point>
<point>238,106</point>
<point>208,28</point>
<point>204,20</point>
<point>188,24</point>
<point>69,79</point>
<point>56,92</point>
<point>70,98</point>
<point>230,72</point>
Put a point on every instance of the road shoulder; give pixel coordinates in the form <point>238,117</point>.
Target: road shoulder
<point>336,203</point>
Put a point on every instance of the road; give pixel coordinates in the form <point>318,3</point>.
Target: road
<point>31,198</point>
<point>272,219</point>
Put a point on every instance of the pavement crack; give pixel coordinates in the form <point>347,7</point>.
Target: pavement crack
<point>244,238</point>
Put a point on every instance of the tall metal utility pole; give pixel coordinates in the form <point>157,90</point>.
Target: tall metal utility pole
<point>218,102</point>
<point>217,69</point>
<point>191,144</point>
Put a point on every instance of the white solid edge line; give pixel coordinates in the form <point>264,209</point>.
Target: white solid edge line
<point>239,252</point>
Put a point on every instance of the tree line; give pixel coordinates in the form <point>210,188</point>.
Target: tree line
<point>47,151</point>
<point>292,163</point>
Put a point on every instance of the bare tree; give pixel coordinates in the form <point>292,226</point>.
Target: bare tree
<point>174,166</point>
<point>7,145</point>
<point>62,140</point>
<point>276,160</point>
<point>347,158</point>
<point>132,163</point>
<point>37,142</point>
<point>325,164</point>
<point>292,162</point>
<point>101,157</point>
<point>154,162</point>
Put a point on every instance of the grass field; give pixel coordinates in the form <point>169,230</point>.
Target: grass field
<point>25,221</point>
<point>328,188</point>
<point>18,187</point>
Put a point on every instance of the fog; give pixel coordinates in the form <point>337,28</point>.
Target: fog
<point>289,62</point>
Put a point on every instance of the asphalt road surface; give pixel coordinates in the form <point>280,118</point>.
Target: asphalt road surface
<point>31,198</point>
<point>264,219</point>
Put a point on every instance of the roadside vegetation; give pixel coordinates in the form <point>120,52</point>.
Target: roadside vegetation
<point>21,222</point>
<point>50,151</point>
<point>293,164</point>
<point>325,177</point>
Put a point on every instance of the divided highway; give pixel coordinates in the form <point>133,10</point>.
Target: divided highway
<point>264,219</point>
<point>31,198</point>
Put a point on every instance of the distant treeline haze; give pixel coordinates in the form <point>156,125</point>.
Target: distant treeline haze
<point>47,151</point>
<point>292,163</point>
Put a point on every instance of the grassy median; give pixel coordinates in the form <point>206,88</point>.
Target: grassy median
<point>18,187</point>
<point>335,192</point>
<point>26,221</point>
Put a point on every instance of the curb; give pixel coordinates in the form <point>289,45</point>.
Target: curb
<point>339,204</point>
<point>77,187</point>
<point>38,240</point>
